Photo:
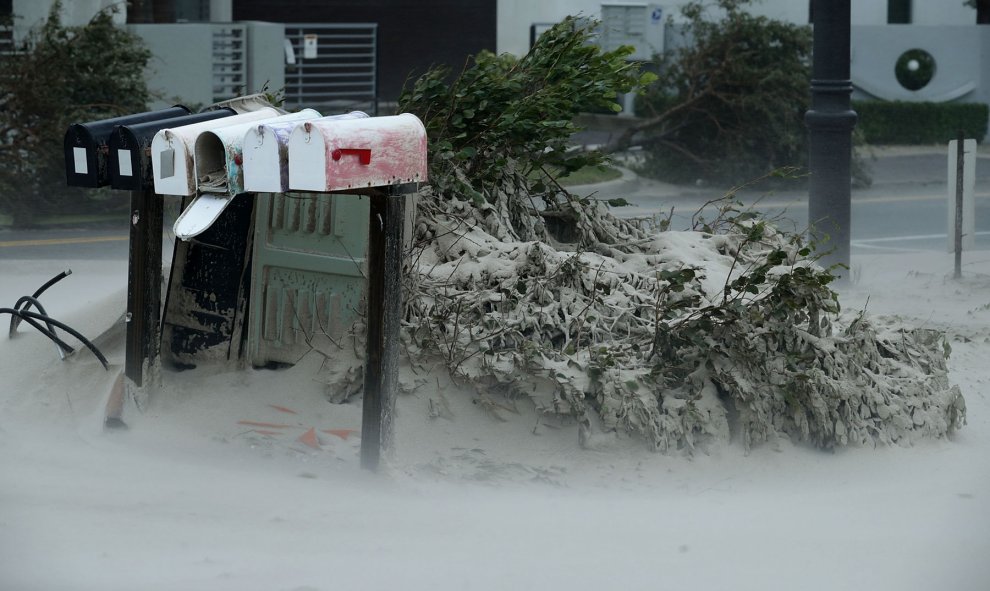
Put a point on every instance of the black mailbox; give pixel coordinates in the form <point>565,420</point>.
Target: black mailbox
<point>87,146</point>
<point>130,148</point>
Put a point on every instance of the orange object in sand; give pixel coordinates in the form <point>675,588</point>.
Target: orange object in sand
<point>283,409</point>
<point>260,424</point>
<point>309,438</point>
<point>342,433</point>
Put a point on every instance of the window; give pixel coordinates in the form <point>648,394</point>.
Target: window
<point>899,12</point>
<point>192,11</point>
<point>6,26</point>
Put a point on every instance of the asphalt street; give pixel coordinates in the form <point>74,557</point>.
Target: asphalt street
<point>905,209</point>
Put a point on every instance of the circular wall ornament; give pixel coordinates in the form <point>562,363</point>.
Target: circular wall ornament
<point>915,69</point>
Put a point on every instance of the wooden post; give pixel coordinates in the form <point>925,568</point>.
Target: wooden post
<point>384,316</point>
<point>960,154</point>
<point>144,279</point>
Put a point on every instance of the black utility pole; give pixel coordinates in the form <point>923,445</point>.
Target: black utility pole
<point>830,123</point>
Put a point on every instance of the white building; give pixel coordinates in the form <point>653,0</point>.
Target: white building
<point>884,33</point>
<point>516,17</point>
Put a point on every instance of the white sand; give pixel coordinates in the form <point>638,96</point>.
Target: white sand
<point>189,499</point>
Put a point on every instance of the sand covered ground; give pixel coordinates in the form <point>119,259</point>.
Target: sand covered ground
<point>216,485</point>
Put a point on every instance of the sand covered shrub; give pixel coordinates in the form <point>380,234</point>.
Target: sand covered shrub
<point>727,331</point>
<point>683,338</point>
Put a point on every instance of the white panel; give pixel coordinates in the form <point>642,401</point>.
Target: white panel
<point>969,203</point>
<point>79,160</point>
<point>200,215</point>
<point>307,159</point>
<point>124,158</point>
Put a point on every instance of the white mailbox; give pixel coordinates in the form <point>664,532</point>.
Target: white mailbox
<point>173,151</point>
<point>266,154</point>
<point>220,153</point>
<point>338,155</point>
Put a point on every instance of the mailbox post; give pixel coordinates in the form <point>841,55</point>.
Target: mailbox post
<point>384,158</point>
<point>384,316</point>
<point>130,168</point>
<point>91,161</point>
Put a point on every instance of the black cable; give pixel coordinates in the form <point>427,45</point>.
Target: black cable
<point>51,282</point>
<point>15,320</point>
<point>26,314</point>
<point>50,333</point>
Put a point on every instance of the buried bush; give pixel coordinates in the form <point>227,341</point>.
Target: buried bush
<point>684,339</point>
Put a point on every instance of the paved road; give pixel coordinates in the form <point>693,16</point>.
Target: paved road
<point>905,209</point>
<point>65,243</point>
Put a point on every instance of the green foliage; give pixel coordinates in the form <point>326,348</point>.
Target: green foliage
<point>729,104</point>
<point>62,75</point>
<point>503,118</point>
<point>899,122</point>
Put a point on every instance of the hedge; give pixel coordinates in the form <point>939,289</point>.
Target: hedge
<point>899,122</point>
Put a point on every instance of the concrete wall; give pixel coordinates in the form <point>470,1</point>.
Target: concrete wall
<point>181,67</point>
<point>266,56</point>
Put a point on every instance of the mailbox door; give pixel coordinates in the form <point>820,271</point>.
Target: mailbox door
<point>307,272</point>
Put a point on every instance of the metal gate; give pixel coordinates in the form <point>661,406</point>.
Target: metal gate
<point>332,68</point>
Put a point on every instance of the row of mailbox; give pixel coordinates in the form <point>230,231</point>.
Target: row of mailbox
<point>225,153</point>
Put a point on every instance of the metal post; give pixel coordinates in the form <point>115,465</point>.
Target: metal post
<point>958,237</point>
<point>830,123</point>
<point>144,279</point>
<point>384,309</point>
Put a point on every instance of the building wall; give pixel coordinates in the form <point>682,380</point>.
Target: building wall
<point>960,53</point>
<point>181,69</point>
<point>412,34</point>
